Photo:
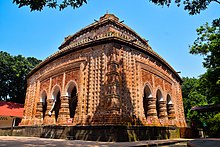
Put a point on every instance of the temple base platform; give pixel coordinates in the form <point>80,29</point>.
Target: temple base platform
<point>108,133</point>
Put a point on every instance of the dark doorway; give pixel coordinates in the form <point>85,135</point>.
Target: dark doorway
<point>159,98</point>
<point>44,106</point>
<point>44,103</point>
<point>147,94</point>
<point>73,102</point>
<point>57,106</point>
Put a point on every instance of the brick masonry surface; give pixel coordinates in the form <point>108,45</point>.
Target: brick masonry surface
<point>105,74</point>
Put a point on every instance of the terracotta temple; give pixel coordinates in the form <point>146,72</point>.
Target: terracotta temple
<point>105,74</point>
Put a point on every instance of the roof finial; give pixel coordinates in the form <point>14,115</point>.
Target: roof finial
<point>106,11</point>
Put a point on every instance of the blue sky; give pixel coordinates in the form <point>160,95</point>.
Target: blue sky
<point>170,31</point>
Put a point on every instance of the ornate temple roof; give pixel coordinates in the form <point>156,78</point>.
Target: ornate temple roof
<point>107,28</point>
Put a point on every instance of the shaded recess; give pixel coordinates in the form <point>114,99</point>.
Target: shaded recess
<point>57,102</point>
<point>147,94</point>
<point>73,101</point>
<point>159,98</point>
<point>44,103</point>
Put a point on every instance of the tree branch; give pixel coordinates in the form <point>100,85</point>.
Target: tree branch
<point>217,1</point>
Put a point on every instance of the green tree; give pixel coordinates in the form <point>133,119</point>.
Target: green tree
<point>5,74</point>
<point>13,76</point>
<point>38,5</point>
<point>208,45</point>
<point>214,126</point>
<point>192,6</point>
<point>193,95</point>
<point>205,89</point>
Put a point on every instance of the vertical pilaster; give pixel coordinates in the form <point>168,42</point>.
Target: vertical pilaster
<point>32,104</point>
<point>139,91</point>
<point>39,113</point>
<point>85,93</point>
<point>64,106</point>
<point>37,107</point>
<point>64,113</point>
<point>26,105</point>
<point>110,112</point>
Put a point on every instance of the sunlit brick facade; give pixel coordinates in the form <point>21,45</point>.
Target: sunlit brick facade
<point>104,74</point>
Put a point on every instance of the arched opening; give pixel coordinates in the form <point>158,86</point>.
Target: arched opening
<point>44,103</point>
<point>57,102</point>
<point>170,107</point>
<point>147,94</point>
<point>169,101</point>
<point>159,98</point>
<point>72,94</point>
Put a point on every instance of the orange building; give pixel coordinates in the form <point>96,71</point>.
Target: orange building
<point>10,113</point>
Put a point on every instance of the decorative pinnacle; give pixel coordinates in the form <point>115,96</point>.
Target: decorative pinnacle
<point>109,16</point>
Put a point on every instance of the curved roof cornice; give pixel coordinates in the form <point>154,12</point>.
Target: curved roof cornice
<point>105,21</point>
<point>114,31</point>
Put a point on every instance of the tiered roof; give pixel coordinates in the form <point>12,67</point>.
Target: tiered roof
<point>107,28</point>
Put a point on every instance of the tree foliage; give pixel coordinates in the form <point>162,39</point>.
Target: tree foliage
<point>207,44</point>
<point>193,95</point>
<point>38,5</point>
<point>192,6</point>
<point>13,76</point>
<point>214,126</point>
<point>205,89</point>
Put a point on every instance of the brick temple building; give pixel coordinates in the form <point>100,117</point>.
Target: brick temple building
<point>105,74</point>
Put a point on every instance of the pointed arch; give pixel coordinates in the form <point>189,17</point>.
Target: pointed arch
<point>43,96</point>
<point>70,86</point>
<point>170,107</point>
<point>147,93</point>
<point>159,99</point>
<point>71,92</point>
<point>169,100</point>
<point>56,93</point>
<point>55,90</point>
<point>147,89</point>
<point>159,95</point>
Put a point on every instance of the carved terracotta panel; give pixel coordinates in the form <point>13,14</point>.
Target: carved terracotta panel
<point>147,77</point>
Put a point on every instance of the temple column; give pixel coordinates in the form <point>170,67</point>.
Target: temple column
<point>171,111</point>
<point>50,115</point>
<point>151,108</point>
<point>162,109</point>
<point>152,118</point>
<point>39,113</point>
<point>163,113</point>
<point>64,113</point>
<point>171,114</point>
